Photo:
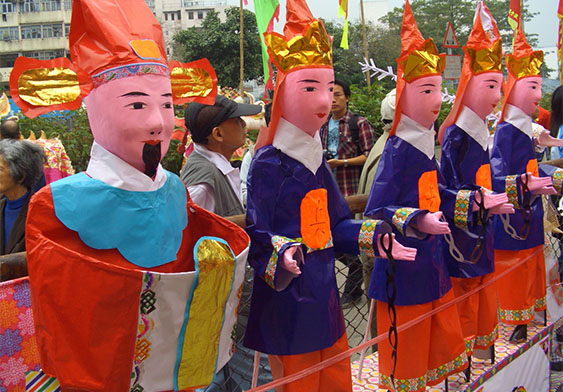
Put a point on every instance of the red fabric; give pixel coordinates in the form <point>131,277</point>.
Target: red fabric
<point>544,117</point>
<point>519,290</point>
<point>298,17</point>
<point>336,378</point>
<point>428,345</point>
<point>86,301</point>
<point>515,11</point>
<point>478,313</point>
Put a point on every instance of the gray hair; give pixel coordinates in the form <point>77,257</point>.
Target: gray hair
<point>25,161</point>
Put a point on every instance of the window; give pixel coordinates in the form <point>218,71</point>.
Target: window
<point>45,54</point>
<point>40,5</point>
<point>165,16</point>
<point>52,31</point>
<point>8,60</point>
<point>200,14</point>
<point>6,6</point>
<point>68,4</point>
<point>30,31</point>
<point>9,33</point>
<point>179,16</point>
<point>190,15</point>
<point>51,5</point>
<point>67,29</point>
<point>150,3</point>
<point>172,16</point>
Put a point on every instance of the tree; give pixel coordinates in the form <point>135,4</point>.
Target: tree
<point>219,42</point>
<point>383,46</point>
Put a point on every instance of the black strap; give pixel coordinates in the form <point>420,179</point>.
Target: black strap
<point>391,292</point>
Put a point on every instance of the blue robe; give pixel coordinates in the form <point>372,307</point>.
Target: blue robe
<point>462,156</point>
<point>512,152</point>
<point>394,197</point>
<point>306,316</point>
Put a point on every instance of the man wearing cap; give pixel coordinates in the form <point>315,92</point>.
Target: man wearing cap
<point>217,132</point>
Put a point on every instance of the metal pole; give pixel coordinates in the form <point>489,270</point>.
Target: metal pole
<point>241,49</point>
<point>365,39</point>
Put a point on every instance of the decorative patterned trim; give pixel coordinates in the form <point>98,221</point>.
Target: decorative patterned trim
<point>400,218</point>
<point>403,385</point>
<point>143,344</point>
<point>454,366</point>
<point>537,131</point>
<point>461,210</point>
<point>130,70</point>
<point>557,179</point>
<point>517,315</point>
<point>540,304</point>
<point>486,341</point>
<point>39,381</point>
<point>365,238</point>
<point>510,187</point>
<point>469,344</point>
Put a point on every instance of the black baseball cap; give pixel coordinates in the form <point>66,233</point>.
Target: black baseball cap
<point>200,119</point>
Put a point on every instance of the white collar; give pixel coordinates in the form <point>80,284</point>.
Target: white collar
<point>114,171</point>
<point>474,126</point>
<point>218,160</point>
<point>414,133</point>
<point>519,119</point>
<point>299,145</point>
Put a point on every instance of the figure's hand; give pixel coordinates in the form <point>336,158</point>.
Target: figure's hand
<point>398,251</point>
<point>539,185</point>
<point>430,223</point>
<point>292,257</point>
<point>546,140</point>
<point>496,203</point>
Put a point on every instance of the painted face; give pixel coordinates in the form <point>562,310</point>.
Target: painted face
<point>422,98</point>
<point>306,98</point>
<point>133,118</point>
<point>526,94</point>
<point>483,93</point>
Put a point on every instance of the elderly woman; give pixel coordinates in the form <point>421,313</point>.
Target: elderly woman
<point>21,165</point>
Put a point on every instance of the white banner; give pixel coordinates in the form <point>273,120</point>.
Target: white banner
<point>527,373</point>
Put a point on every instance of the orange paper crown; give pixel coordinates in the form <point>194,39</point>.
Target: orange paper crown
<point>419,58</point>
<point>305,44</point>
<point>483,53</point>
<point>109,39</point>
<point>521,63</point>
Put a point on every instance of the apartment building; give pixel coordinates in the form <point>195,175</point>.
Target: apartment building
<point>39,28</point>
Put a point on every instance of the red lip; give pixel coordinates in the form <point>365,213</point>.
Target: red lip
<point>435,111</point>
<point>321,115</point>
<point>152,142</point>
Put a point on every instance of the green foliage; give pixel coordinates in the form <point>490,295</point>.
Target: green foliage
<point>172,161</point>
<point>72,128</point>
<point>366,101</point>
<point>219,42</point>
<point>383,46</point>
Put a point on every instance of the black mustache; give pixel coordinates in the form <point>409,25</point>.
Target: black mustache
<point>151,158</point>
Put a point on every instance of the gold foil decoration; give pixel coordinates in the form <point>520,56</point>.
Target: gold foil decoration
<point>190,82</point>
<point>422,62</point>
<point>216,264</point>
<point>313,48</point>
<point>487,59</point>
<point>48,86</point>
<point>525,66</point>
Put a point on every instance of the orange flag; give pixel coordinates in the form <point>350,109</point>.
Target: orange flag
<point>514,14</point>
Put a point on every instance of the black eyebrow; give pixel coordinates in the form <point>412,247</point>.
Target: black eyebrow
<point>308,81</point>
<point>168,95</point>
<point>427,85</point>
<point>134,94</point>
<point>491,80</point>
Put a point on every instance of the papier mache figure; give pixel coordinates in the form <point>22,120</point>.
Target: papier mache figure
<point>133,286</point>
<point>297,217</point>
<point>465,165</point>
<point>515,171</point>
<point>410,192</point>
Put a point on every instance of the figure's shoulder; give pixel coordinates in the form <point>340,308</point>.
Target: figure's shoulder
<point>268,153</point>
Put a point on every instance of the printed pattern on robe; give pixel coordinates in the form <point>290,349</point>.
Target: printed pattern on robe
<point>403,385</point>
<point>540,304</point>
<point>461,211</point>
<point>39,381</point>
<point>557,179</point>
<point>512,191</point>
<point>58,163</point>
<point>365,238</point>
<point>18,347</point>
<point>446,369</point>
<point>484,342</point>
<point>517,315</point>
<point>278,241</point>
<point>147,304</point>
<point>400,218</point>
